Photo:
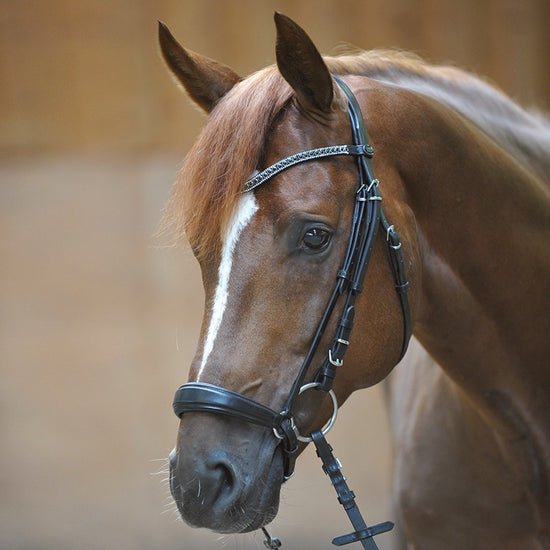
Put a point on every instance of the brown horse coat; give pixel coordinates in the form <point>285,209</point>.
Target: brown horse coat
<point>465,179</point>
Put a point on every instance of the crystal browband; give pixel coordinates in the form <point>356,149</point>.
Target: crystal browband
<point>305,156</point>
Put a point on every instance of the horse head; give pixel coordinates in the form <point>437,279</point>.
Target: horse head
<point>270,258</point>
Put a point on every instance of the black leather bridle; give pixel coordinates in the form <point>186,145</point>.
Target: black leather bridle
<point>368,216</point>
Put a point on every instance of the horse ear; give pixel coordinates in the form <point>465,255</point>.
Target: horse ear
<point>302,66</point>
<point>205,80</point>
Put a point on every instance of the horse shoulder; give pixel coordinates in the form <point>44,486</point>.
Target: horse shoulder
<point>455,485</point>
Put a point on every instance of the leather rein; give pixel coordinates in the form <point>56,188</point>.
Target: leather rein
<point>368,216</point>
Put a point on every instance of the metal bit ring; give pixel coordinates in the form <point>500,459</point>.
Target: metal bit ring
<point>330,423</point>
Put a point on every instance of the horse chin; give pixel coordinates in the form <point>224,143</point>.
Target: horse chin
<point>262,500</point>
<point>259,503</point>
<point>244,503</point>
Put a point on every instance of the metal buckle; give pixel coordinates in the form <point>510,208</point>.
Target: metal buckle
<point>373,183</point>
<point>336,362</point>
<point>392,230</point>
<point>293,427</point>
<point>360,196</point>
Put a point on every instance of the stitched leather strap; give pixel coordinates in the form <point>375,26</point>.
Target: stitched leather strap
<point>200,397</point>
<point>401,283</point>
<point>346,497</point>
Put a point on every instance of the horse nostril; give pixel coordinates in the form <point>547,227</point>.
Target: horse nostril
<point>221,480</point>
<point>225,481</point>
<point>204,489</point>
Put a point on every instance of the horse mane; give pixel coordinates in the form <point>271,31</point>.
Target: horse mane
<point>230,146</point>
<point>523,133</point>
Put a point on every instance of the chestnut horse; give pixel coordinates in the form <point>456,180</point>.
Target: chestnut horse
<point>464,176</point>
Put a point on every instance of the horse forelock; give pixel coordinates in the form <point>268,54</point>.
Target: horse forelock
<point>223,158</point>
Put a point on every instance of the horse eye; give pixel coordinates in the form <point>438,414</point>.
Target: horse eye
<point>316,239</point>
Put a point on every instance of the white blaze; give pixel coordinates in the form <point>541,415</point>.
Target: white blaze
<point>246,208</point>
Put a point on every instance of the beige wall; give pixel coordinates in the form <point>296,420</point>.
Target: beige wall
<point>97,322</point>
<point>87,73</point>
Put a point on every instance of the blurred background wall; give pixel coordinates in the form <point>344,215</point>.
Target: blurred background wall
<point>86,74</point>
<point>98,321</point>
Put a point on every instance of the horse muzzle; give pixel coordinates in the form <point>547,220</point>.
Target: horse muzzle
<point>225,476</point>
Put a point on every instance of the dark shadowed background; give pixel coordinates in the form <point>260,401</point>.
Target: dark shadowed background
<point>99,321</point>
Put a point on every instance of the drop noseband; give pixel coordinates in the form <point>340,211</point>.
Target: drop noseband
<point>368,216</point>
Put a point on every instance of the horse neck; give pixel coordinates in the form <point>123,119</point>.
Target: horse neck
<point>482,231</point>
<point>525,133</point>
